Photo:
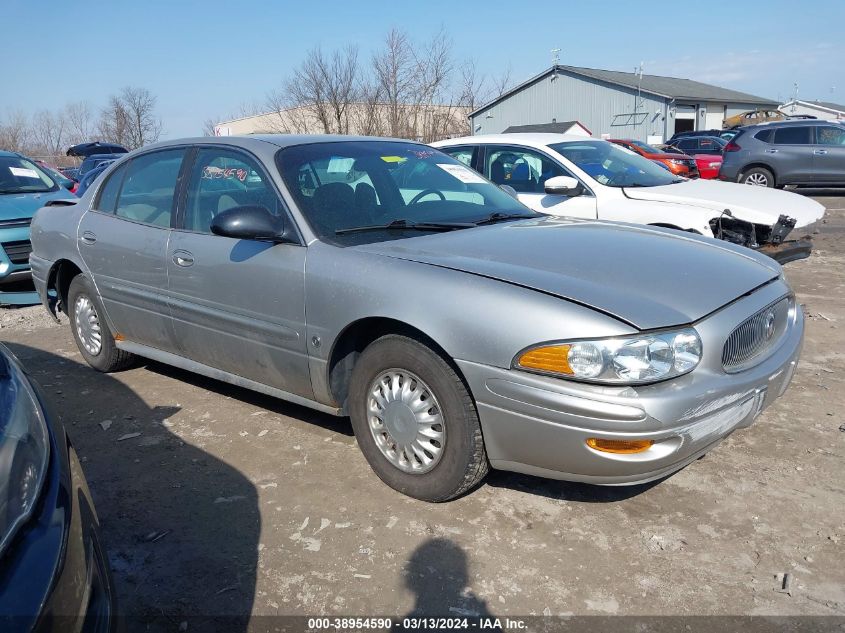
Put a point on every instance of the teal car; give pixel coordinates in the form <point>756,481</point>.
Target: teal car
<point>24,188</point>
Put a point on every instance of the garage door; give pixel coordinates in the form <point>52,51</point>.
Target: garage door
<point>714,119</point>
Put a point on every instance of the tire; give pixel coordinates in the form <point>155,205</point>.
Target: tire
<point>459,464</point>
<point>106,358</point>
<point>759,176</point>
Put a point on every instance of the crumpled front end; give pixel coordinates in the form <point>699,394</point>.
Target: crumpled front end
<point>768,239</point>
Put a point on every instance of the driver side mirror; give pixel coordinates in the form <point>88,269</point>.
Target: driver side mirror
<point>250,222</point>
<point>563,186</point>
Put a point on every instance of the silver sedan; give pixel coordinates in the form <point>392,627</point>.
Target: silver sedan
<point>458,330</point>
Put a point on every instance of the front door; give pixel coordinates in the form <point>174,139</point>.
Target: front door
<point>526,170</point>
<point>237,305</point>
<point>829,154</point>
<point>123,242</point>
<point>792,154</point>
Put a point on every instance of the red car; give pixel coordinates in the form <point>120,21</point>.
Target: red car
<point>708,164</point>
<point>678,163</point>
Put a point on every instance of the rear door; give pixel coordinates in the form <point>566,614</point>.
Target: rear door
<point>791,154</point>
<point>237,305</point>
<point>526,170</point>
<point>829,154</point>
<point>123,242</point>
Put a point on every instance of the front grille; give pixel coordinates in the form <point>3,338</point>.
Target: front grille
<point>756,335</point>
<point>18,252</point>
<point>15,224</point>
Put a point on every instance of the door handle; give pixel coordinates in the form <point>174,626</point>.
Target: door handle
<point>771,151</point>
<point>820,152</point>
<point>183,258</point>
<point>87,237</point>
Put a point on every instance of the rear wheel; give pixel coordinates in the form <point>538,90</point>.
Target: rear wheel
<point>758,176</point>
<point>415,421</point>
<point>90,330</point>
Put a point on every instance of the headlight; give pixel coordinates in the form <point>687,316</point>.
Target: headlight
<point>632,360</point>
<point>675,161</point>
<point>24,449</point>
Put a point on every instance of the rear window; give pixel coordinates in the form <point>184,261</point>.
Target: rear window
<point>799,135</point>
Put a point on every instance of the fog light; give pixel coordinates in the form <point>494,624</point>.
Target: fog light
<point>625,447</point>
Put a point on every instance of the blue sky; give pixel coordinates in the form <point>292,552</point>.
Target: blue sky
<point>205,59</point>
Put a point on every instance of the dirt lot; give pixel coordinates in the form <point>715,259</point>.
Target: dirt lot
<point>229,502</point>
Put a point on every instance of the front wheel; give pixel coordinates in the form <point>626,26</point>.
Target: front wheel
<point>759,177</point>
<point>415,421</point>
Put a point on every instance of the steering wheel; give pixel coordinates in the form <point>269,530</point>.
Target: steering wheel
<point>422,194</point>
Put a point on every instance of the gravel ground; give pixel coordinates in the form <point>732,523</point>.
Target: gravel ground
<point>229,502</point>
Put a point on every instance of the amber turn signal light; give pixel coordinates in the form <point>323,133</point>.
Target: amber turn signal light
<point>625,447</point>
<point>551,358</point>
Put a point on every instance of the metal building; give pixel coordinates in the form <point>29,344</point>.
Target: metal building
<point>614,104</point>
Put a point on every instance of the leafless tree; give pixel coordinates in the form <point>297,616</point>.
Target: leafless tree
<point>393,70</point>
<point>113,125</point>
<point>49,133</point>
<point>208,127</point>
<point>80,121</point>
<point>502,83</point>
<point>143,126</point>
<point>15,132</point>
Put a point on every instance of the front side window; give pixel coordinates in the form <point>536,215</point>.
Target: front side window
<point>830,135</point>
<point>523,169</point>
<point>222,179</point>
<point>351,184</point>
<point>149,187</point>
<point>613,166</point>
<point>19,175</point>
<point>793,135</point>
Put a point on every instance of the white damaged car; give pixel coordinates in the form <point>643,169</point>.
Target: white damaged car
<point>590,178</point>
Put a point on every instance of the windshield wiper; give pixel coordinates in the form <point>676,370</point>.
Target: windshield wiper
<point>498,216</point>
<point>405,225</point>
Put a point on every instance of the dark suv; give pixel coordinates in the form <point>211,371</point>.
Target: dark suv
<point>810,153</point>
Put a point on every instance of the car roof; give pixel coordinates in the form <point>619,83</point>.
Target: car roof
<point>534,139</point>
<point>279,140</point>
<point>768,125</point>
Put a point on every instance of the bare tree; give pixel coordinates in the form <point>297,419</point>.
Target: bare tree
<point>502,83</point>
<point>143,126</point>
<point>48,133</point>
<point>15,132</point>
<point>80,121</point>
<point>208,127</point>
<point>393,68</point>
<point>114,122</point>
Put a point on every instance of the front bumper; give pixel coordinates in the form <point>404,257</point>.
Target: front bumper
<point>55,575</point>
<point>788,251</point>
<point>539,425</point>
<point>15,279</point>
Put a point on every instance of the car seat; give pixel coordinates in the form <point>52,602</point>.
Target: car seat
<point>333,206</point>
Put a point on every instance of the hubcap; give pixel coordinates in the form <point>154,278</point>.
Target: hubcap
<point>88,325</point>
<point>406,421</point>
<point>757,179</point>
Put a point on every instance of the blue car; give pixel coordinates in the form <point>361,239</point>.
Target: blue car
<point>88,179</point>
<point>54,571</point>
<point>24,188</point>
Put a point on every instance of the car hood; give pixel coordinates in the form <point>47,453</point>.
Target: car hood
<point>15,206</point>
<point>753,204</point>
<point>647,277</point>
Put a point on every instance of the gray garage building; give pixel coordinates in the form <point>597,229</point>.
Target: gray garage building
<point>614,104</point>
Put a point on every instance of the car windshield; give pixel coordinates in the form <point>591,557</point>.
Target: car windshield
<point>612,166</point>
<point>18,175</point>
<point>364,191</point>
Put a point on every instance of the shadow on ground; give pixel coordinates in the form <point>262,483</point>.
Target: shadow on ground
<point>181,527</point>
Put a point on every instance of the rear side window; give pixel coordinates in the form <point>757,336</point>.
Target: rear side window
<point>799,135</point>
<point>149,188</point>
<point>765,135</point>
<point>688,143</point>
<point>464,154</point>
<point>107,198</point>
